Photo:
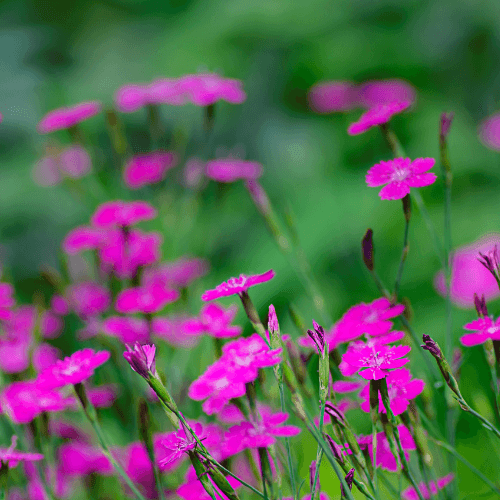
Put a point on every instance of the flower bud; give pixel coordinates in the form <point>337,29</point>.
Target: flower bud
<point>334,413</point>
<point>491,262</point>
<point>431,346</point>
<point>480,303</point>
<point>274,328</point>
<point>445,125</point>
<point>336,449</point>
<point>312,474</point>
<point>367,249</point>
<point>349,478</point>
<point>142,359</point>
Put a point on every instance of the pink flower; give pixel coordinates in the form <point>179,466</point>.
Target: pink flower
<point>400,175</point>
<point>468,275</point>
<point>150,299</point>
<point>127,329</point>
<point>378,92</point>
<point>62,118</point>
<point>141,359</point>
<point>484,329</point>
<point>45,355</point>
<point>214,321</point>
<point>401,390</point>
<point>122,213</point>
<point>80,459</point>
<point>73,369</point>
<point>173,330</point>
<point>385,458</point>
<point>89,299</point>
<point>192,489</point>
<point>7,301</point>
<point>59,305</point>
<point>489,132</point>
<point>139,468</point>
<point>374,360</point>
<point>346,386</point>
<point>194,173</point>
<point>167,91</point>
<point>426,491</point>
<point>178,443</point>
<point>67,430</point>
<point>130,98</point>
<point>237,285</point>
<point>51,325</point>
<point>11,457</point>
<point>75,162</point>
<point>232,169</point>
<point>206,89</point>
<point>150,168</point>
<point>178,273</point>
<point>102,396</point>
<point>82,238</point>
<point>371,319</point>
<point>332,97</point>
<point>377,115</point>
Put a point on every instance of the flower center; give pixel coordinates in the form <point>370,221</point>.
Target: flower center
<point>399,174</point>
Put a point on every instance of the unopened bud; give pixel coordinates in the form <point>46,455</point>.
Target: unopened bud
<point>349,478</point>
<point>334,413</point>
<point>480,304</point>
<point>274,328</point>
<point>318,336</point>
<point>312,474</point>
<point>367,249</point>
<point>491,262</point>
<point>445,125</point>
<point>336,449</point>
<point>259,196</point>
<point>431,346</point>
<point>142,359</point>
<point>407,207</point>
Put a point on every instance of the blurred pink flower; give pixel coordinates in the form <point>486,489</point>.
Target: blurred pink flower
<point>177,273</point>
<point>376,92</point>
<point>82,238</point>
<point>346,386</point>
<point>194,173</point>
<point>122,213</point>
<point>489,132</point>
<point>67,430</point>
<point>139,468</point>
<point>232,169</point>
<point>7,301</point>
<point>73,369</point>
<point>206,89</point>
<point>127,329</point>
<point>468,275</point>
<point>62,118</point>
<point>178,443</point>
<point>59,305</point>
<point>172,330</point>
<point>401,389</point>
<point>484,329</point>
<point>150,299</point>
<point>102,396</point>
<point>45,355</point>
<point>192,489</point>
<point>88,298</point>
<point>400,175</point>
<point>377,115</point>
<point>237,285</point>
<point>141,358</point>
<point>80,459</point>
<point>427,490</point>
<point>385,458</point>
<point>51,325</point>
<point>131,97</point>
<point>11,457</point>
<point>150,168</point>
<point>214,320</point>
<point>333,97</point>
<point>166,91</point>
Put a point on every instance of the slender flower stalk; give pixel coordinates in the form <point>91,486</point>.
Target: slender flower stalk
<point>406,246</point>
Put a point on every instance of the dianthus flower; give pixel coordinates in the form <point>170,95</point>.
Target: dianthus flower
<point>374,361</point>
<point>102,396</point>
<point>80,459</point>
<point>122,213</point>
<point>131,97</point>
<point>215,321</point>
<point>51,325</point>
<point>379,92</point>
<point>139,468</point>
<point>333,97</point>
<point>233,169</point>
<point>142,170</point>
<point>427,490</point>
<point>178,443</point>
<point>172,330</point>
<point>73,369</point>
<point>378,115</point>
<point>489,132</point>
<point>484,329</point>
<point>400,175</point>
<point>63,484</point>
<point>44,355</point>
<point>468,275</point>
<point>11,457</point>
<point>385,458</point>
<point>141,359</point>
<point>371,319</point>
<point>401,389</point>
<point>127,329</point>
<point>178,273</point>
<point>67,430</point>
<point>7,301</point>
<point>150,299</point>
<point>82,238</point>
<point>59,305</point>
<point>88,299</point>
<point>62,118</point>
<point>237,285</point>
<point>208,88</point>
<point>192,489</point>
<point>331,338</point>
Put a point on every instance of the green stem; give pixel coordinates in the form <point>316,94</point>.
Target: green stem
<point>405,249</point>
<point>319,452</point>
<point>287,442</point>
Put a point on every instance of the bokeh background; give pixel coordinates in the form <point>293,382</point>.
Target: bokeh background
<point>56,53</point>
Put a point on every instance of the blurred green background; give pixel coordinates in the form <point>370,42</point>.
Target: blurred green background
<point>61,53</point>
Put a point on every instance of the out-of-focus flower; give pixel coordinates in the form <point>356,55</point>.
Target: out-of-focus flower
<point>401,389</point>
<point>142,170</point>
<point>489,132</point>
<point>139,468</point>
<point>194,173</point>
<point>51,325</point>
<point>130,98</point>
<point>378,115</point>
<point>378,92</point>
<point>59,305</point>
<point>80,459</point>
<point>385,458</point>
<point>45,355</point>
<point>149,299</point>
<point>102,396</point>
<point>468,275</point>
<point>67,430</point>
<point>141,359</point>
<point>205,89</point>
<point>11,457</point>
<point>89,299</point>
<point>7,301</point>
<point>233,169</point>
<point>333,97</point>
<point>73,369</point>
<point>235,286</point>
<point>82,238</point>
<point>62,118</point>
<point>215,321</point>
<point>400,175</point>
<point>192,488</point>
<point>484,329</point>
<point>122,213</point>
<point>128,329</point>
<point>172,330</point>
<point>177,273</point>
<point>427,490</point>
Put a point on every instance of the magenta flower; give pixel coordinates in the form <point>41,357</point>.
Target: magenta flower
<point>51,325</point>
<point>127,329</point>
<point>400,175</point>
<point>80,459</point>
<point>333,97</point>
<point>122,213</point>
<point>73,369</point>
<point>62,118</point>
<point>468,275</point>
<point>371,319</point>
<point>379,92</point>
<point>11,457</point>
<point>82,238</point>
<point>489,132</point>
<point>484,329</point>
<point>45,355</point>
<point>142,170</point>
<point>192,489</point>
<point>150,299</point>
<point>178,273</point>
<point>206,89</point>
<point>193,173</point>
<point>215,321</point>
<point>141,359</point>
<point>173,330</point>
<point>385,458</point>
<point>139,468</point>
<point>67,430</point>
<point>233,169</point>
<point>346,386</point>
<point>374,361</point>
<point>130,98</point>
<point>89,299</point>
<point>237,285</point>
<point>377,115</point>
<point>59,305</point>
<point>427,490</point>
<point>167,91</point>
<point>7,301</point>
<point>178,443</point>
<point>401,389</point>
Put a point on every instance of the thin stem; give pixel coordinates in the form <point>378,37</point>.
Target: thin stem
<point>287,442</point>
<point>404,254</point>
<point>319,453</point>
